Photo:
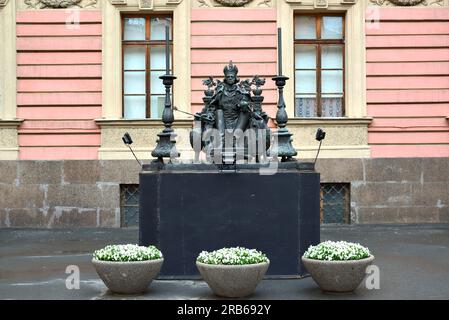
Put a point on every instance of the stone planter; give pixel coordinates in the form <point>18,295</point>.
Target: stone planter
<point>128,277</point>
<point>337,276</point>
<point>233,281</point>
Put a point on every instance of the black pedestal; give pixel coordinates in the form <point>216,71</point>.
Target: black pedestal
<point>187,209</point>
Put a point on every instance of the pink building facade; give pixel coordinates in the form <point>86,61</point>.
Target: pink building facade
<point>374,75</point>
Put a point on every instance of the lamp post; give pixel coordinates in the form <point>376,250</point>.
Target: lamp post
<point>282,144</point>
<point>166,144</point>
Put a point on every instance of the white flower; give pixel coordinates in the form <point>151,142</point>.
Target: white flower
<point>127,252</point>
<point>232,256</point>
<point>339,250</point>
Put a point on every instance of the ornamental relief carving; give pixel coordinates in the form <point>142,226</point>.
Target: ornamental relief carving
<point>320,4</point>
<point>3,3</point>
<point>146,4</point>
<point>90,4</point>
<point>408,3</point>
<point>59,4</point>
<point>233,3</point>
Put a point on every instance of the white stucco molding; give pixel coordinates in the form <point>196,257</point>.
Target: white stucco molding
<point>118,2</point>
<point>8,59</point>
<point>321,3</point>
<point>9,149</point>
<point>145,4</point>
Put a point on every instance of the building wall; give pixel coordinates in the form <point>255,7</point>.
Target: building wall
<point>59,83</point>
<point>248,37</point>
<point>60,99</point>
<point>86,193</point>
<point>217,35</point>
<point>408,82</point>
<point>61,87</point>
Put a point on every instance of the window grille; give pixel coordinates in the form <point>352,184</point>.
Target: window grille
<point>335,203</point>
<point>129,205</point>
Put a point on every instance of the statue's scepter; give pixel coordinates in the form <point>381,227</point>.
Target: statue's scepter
<point>282,144</point>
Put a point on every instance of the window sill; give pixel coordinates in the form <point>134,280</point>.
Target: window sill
<point>149,123</point>
<point>330,121</point>
<point>10,123</point>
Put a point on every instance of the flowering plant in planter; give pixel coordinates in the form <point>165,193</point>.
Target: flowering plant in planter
<point>127,268</point>
<point>337,251</point>
<point>127,252</point>
<point>232,256</point>
<point>233,272</point>
<point>337,266</point>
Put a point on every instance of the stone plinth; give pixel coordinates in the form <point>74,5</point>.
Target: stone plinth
<point>185,209</point>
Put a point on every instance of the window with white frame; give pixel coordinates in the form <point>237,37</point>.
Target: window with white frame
<point>319,65</point>
<point>143,43</point>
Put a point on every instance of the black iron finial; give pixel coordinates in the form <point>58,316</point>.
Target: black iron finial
<point>166,147</point>
<point>282,145</point>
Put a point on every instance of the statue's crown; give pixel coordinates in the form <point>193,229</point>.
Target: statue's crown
<point>231,68</point>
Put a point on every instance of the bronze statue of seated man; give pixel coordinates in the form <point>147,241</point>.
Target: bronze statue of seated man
<point>229,111</point>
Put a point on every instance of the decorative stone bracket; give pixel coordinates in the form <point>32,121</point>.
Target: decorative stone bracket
<point>321,4</point>
<point>117,2</point>
<point>145,4</point>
